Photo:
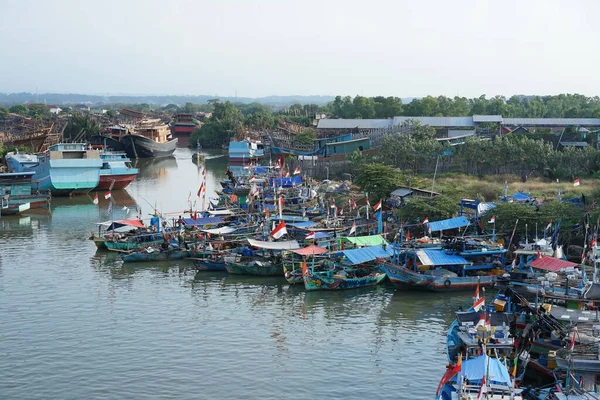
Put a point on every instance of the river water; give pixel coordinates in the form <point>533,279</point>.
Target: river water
<point>76,323</point>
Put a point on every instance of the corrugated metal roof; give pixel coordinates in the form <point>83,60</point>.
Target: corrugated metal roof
<point>446,224</point>
<point>358,256</point>
<point>353,123</point>
<point>551,264</point>
<point>438,121</point>
<point>401,192</point>
<point>575,144</point>
<point>552,121</point>
<point>439,257</point>
<point>487,118</point>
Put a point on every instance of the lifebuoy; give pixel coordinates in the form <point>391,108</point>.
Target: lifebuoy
<point>288,274</point>
<point>447,283</point>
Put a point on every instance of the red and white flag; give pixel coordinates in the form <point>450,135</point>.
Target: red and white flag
<point>279,230</point>
<point>353,204</point>
<point>576,182</point>
<point>297,171</point>
<point>200,189</point>
<point>96,199</point>
<point>426,220</point>
<point>353,229</point>
<point>549,225</point>
<point>377,206</point>
<point>572,344</point>
<point>280,204</point>
<point>478,302</point>
<point>492,220</point>
<point>107,195</point>
<point>481,322</point>
<point>310,236</point>
<point>287,174</point>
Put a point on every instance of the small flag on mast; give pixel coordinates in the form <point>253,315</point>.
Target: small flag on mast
<point>353,229</point>
<point>107,195</point>
<point>297,171</point>
<point>310,236</point>
<point>576,182</point>
<point>377,206</point>
<point>492,220</point>
<point>426,220</point>
<point>96,199</point>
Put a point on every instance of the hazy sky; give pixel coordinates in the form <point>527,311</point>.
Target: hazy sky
<point>304,47</point>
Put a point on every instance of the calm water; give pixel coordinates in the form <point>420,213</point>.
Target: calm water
<point>78,324</point>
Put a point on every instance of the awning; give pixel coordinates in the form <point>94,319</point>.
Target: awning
<point>551,264</point>
<point>202,221</point>
<point>364,254</point>
<point>303,224</point>
<point>287,245</point>
<point>220,231</point>
<point>374,240</point>
<point>322,235</point>
<point>124,222</point>
<point>475,369</point>
<point>310,250</point>
<point>520,196</point>
<point>439,257</point>
<point>447,224</point>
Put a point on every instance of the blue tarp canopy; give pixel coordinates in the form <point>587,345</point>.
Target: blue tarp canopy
<point>520,196</point>
<point>358,256</point>
<point>304,224</point>
<point>475,369</point>
<point>447,224</point>
<point>289,218</point>
<point>286,182</point>
<point>439,257</point>
<point>322,235</point>
<point>202,221</point>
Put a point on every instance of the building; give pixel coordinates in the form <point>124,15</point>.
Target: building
<point>54,109</point>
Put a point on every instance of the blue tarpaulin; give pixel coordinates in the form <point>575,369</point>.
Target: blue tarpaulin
<point>286,182</point>
<point>358,256</point>
<point>475,369</point>
<point>439,257</point>
<point>447,224</point>
<point>520,196</point>
<point>304,224</point>
<point>202,221</point>
<point>322,235</point>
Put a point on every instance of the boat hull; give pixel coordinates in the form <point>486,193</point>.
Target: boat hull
<point>106,142</point>
<point>120,181</point>
<point>206,265</point>
<point>241,269</point>
<point>14,204</point>
<point>137,146</point>
<point>323,282</point>
<point>143,256</point>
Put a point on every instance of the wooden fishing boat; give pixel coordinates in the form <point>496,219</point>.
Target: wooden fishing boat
<point>353,271</point>
<point>266,261</point>
<point>294,260</point>
<point>156,253</point>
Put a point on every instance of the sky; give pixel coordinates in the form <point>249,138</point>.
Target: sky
<point>254,48</point>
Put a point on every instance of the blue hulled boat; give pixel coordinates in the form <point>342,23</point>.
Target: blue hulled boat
<point>64,169</point>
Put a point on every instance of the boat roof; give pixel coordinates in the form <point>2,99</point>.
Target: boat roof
<point>220,231</point>
<point>310,250</point>
<point>439,257</point>
<point>470,318</point>
<point>303,224</point>
<point>202,221</point>
<point>123,222</point>
<point>220,212</point>
<point>447,224</point>
<point>551,264</point>
<point>365,254</point>
<point>372,240</point>
<point>15,174</point>
<point>285,245</point>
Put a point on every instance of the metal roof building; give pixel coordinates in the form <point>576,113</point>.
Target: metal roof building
<point>341,123</point>
<point>438,122</point>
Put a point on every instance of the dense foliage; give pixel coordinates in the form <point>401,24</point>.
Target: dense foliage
<point>559,106</point>
<point>80,123</point>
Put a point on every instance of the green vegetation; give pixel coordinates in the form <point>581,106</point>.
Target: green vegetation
<point>80,122</point>
<point>559,106</point>
<point>226,121</point>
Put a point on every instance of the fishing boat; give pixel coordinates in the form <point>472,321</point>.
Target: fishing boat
<point>115,231</point>
<point>294,260</point>
<point>64,169</point>
<point>116,173</point>
<point>266,261</point>
<point>482,377</point>
<point>18,193</point>
<point>164,252</point>
<point>434,270</point>
<point>150,140</point>
<point>352,272</point>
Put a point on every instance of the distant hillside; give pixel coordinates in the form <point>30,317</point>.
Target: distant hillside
<point>60,98</point>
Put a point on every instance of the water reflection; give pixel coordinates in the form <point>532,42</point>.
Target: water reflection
<point>155,168</point>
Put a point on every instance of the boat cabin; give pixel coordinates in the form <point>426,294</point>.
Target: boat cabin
<point>16,184</point>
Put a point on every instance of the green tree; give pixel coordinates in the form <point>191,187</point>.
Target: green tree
<point>3,112</point>
<point>18,109</point>
<point>378,180</point>
<point>80,122</point>
<point>38,111</point>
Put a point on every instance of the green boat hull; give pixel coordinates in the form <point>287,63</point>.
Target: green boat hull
<point>325,282</point>
<point>241,269</point>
